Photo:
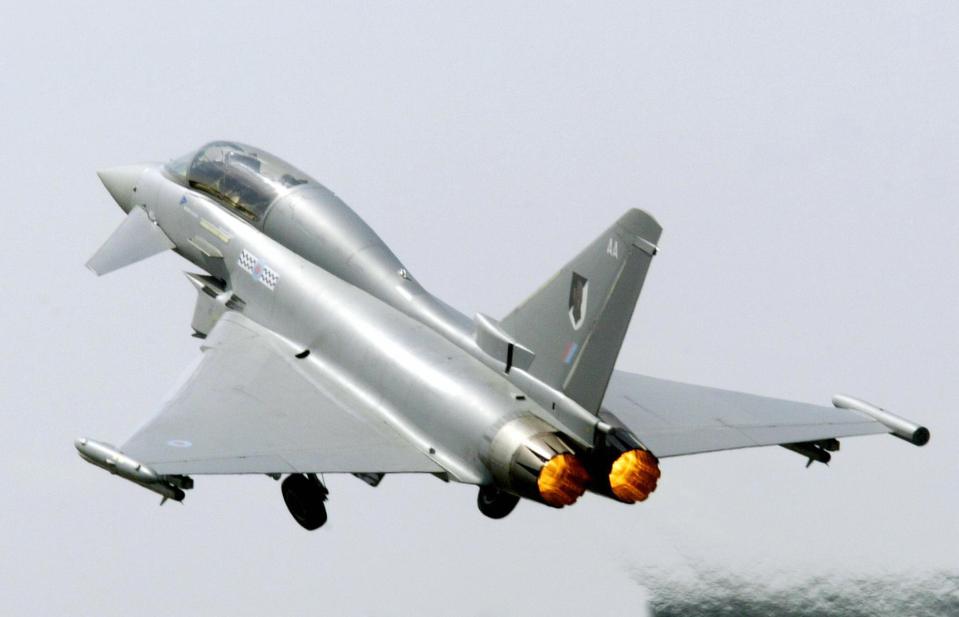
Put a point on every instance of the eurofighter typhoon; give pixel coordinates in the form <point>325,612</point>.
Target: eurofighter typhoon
<point>323,354</point>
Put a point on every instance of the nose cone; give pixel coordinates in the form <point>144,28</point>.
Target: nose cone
<point>122,183</point>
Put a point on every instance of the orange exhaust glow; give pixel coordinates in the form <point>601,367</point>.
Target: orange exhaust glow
<point>633,475</point>
<point>562,480</point>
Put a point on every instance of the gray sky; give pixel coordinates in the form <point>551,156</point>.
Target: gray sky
<point>801,158</point>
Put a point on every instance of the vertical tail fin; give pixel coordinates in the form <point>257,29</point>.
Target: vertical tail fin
<point>576,322</point>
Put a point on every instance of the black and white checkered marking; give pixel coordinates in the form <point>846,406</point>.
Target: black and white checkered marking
<point>259,270</point>
<point>247,261</point>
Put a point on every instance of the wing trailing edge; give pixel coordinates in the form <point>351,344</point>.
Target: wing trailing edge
<point>674,419</point>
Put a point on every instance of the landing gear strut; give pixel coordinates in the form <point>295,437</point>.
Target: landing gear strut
<point>495,503</point>
<point>304,495</point>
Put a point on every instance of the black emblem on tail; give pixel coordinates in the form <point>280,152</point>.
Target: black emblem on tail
<point>578,292</point>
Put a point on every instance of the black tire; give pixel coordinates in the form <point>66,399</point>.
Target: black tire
<point>494,502</point>
<point>304,497</point>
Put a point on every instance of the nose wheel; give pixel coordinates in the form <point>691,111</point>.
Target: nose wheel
<point>304,495</point>
<point>495,503</point>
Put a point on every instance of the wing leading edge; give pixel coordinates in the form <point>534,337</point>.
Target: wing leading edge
<point>251,406</point>
<point>672,419</point>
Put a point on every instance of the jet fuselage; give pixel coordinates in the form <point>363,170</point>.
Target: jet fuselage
<point>344,299</point>
<point>323,354</point>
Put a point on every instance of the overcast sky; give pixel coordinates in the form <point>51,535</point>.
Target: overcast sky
<point>801,158</point>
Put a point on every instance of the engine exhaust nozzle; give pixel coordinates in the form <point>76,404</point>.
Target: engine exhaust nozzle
<point>562,480</point>
<point>532,459</point>
<point>633,475</point>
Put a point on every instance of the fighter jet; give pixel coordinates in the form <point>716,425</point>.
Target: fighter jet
<point>322,354</point>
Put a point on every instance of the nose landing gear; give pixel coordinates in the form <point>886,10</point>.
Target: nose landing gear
<point>304,495</point>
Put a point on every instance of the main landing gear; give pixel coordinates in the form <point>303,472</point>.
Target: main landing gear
<point>304,495</point>
<point>495,503</point>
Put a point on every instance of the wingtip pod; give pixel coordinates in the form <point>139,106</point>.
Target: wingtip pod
<point>105,456</point>
<point>900,427</point>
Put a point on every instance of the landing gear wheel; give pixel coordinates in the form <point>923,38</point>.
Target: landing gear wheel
<point>304,496</point>
<point>494,502</point>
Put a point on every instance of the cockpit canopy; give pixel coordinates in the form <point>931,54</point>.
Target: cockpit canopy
<point>243,178</point>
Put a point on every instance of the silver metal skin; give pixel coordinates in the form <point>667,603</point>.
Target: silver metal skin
<point>317,225</point>
<point>137,238</point>
<point>314,223</point>
<point>900,427</point>
<point>121,182</point>
<point>432,392</point>
<point>107,457</point>
<point>322,353</point>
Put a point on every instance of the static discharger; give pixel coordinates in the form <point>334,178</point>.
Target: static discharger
<point>633,475</point>
<point>562,480</point>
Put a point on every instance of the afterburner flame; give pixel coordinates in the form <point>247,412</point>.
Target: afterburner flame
<point>633,475</point>
<point>562,480</point>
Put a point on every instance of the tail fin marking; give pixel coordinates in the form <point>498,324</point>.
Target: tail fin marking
<point>575,323</point>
